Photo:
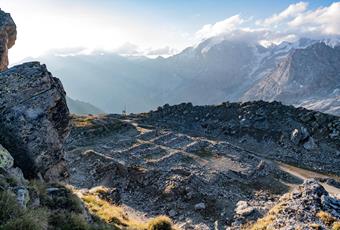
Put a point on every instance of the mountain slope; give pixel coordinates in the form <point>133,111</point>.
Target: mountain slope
<point>209,73</point>
<point>216,70</point>
<point>81,108</point>
<point>211,167</point>
<point>306,77</point>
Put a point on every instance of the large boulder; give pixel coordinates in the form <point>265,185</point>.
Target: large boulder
<point>6,160</point>
<point>34,119</point>
<point>8,34</point>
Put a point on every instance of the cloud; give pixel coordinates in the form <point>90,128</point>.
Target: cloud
<point>164,51</point>
<point>220,27</point>
<point>127,49</point>
<point>130,49</point>
<point>324,20</point>
<point>292,23</point>
<point>292,11</point>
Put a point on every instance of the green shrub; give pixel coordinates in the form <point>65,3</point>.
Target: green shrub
<point>9,207</point>
<point>31,220</point>
<point>68,221</point>
<point>62,198</point>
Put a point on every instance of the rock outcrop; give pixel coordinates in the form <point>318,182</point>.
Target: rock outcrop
<point>307,77</point>
<point>292,135</point>
<point>11,178</point>
<point>33,111</point>
<point>8,35</point>
<point>34,118</point>
<point>309,206</point>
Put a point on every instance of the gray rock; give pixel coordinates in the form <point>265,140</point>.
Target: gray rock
<point>172,213</point>
<point>296,136</point>
<point>200,206</point>
<point>52,190</point>
<point>307,77</point>
<point>34,119</point>
<point>22,196</point>
<point>310,144</point>
<point>8,35</point>
<point>301,207</point>
<point>246,211</point>
<point>17,174</point>
<point>6,160</point>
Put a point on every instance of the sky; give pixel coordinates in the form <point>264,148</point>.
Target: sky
<point>152,28</point>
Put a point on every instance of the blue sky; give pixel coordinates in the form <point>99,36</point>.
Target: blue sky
<point>146,26</point>
<point>192,14</point>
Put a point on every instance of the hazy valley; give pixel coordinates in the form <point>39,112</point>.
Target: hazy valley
<point>216,70</point>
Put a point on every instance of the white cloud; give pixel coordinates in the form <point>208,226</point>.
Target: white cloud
<point>293,10</point>
<point>292,23</point>
<point>164,51</point>
<point>324,20</point>
<point>220,27</point>
<point>127,49</point>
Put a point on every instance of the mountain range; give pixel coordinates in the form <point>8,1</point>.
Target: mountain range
<point>247,165</point>
<point>82,108</point>
<point>304,73</point>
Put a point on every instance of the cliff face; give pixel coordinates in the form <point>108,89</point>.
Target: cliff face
<point>307,77</point>
<point>34,115</point>
<point>8,34</point>
<point>34,121</point>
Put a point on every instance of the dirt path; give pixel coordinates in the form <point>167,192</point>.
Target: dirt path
<point>307,174</point>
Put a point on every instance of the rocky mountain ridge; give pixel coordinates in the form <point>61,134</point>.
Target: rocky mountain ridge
<point>82,108</point>
<point>214,71</point>
<point>305,75</point>
<point>207,167</point>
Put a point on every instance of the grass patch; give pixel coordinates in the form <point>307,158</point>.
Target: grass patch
<point>31,220</point>
<point>315,226</point>
<point>115,216</point>
<point>263,223</point>
<point>336,225</point>
<point>83,121</point>
<point>60,208</point>
<point>61,198</point>
<point>9,208</point>
<point>160,223</point>
<point>326,218</point>
<point>109,213</point>
<point>68,221</point>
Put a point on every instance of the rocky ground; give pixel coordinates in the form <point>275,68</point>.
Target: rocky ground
<point>176,161</point>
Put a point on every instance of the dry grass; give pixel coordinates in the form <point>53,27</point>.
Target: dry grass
<point>160,223</point>
<point>315,226</point>
<point>262,224</point>
<point>326,218</point>
<point>116,216</point>
<point>109,213</point>
<point>336,225</point>
<point>83,121</point>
